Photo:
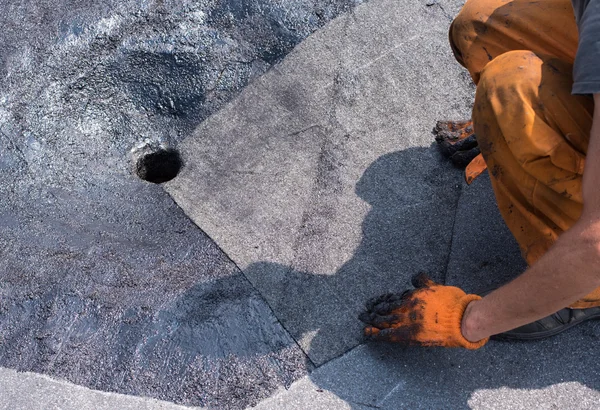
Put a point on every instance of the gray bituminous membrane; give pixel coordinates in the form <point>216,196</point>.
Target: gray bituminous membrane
<point>319,179</point>
<point>103,280</point>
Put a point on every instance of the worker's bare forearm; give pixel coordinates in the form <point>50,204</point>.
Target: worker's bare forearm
<point>567,272</point>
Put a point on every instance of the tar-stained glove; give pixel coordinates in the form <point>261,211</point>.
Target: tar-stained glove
<point>457,141</point>
<point>430,315</point>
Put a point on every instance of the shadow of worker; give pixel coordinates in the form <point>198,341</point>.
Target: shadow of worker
<point>413,198</point>
<point>412,195</point>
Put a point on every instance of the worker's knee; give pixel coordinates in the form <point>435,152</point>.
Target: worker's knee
<point>510,74</point>
<point>471,23</point>
<point>461,31</point>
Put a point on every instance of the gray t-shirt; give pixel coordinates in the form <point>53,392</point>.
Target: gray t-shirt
<point>586,71</point>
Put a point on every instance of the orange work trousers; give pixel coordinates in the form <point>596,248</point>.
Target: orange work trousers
<point>532,132</point>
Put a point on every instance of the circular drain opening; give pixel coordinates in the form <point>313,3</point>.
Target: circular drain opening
<point>158,166</point>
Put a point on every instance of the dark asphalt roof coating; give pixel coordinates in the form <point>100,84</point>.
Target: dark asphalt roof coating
<point>103,280</point>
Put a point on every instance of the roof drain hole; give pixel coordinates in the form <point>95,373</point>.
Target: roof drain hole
<point>158,166</point>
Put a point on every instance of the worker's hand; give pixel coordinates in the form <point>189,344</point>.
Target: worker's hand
<point>430,315</point>
<point>457,141</point>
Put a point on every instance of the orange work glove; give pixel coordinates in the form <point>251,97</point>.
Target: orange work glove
<point>430,315</point>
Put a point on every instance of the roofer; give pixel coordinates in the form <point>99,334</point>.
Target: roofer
<point>536,66</point>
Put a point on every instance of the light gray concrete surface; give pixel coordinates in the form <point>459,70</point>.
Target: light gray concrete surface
<point>320,181</point>
<point>31,391</point>
<point>568,395</point>
<point>306,394</point>
<point>555,373</point>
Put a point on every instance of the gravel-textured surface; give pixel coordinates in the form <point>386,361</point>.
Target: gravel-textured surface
<point>555,373</point>
<point>320,181</point>
<point>484,254</point>
<point>31,391</point>
<point>311,167</point>
<point>103,280</point>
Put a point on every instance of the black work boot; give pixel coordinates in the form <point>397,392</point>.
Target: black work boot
<point>547,326</point>
<point>550,325</point>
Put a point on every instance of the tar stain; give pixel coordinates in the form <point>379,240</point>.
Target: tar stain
<point>159,166</point>
<point>163,83</point>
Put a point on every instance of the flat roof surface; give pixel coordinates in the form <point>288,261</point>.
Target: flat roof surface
<point>310,183</point>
